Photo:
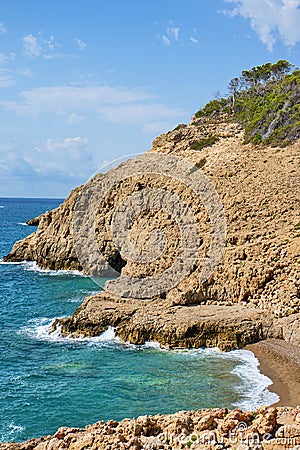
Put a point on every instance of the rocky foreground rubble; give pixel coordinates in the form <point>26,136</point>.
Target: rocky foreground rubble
<point>266,428</point>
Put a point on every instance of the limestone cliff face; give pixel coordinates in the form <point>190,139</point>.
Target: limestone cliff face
<point>260,190</point>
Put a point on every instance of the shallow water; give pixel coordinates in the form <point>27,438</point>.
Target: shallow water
<point>48,382</point>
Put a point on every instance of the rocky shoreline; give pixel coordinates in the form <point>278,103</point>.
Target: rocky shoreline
<point>260,190</point>
<point>266,428</point>
<point>253,295</point>
<point>171,325</point>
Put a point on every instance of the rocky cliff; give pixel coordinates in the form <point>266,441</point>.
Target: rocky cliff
<point>51,246</point>
<point>259,187</point>
<point>252,294</point>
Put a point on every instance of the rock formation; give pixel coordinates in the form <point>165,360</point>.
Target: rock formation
<point>266,428</point>
<point>51,246</point>
<point>260,189</point>
<point>136,321</point>
<point>253,294</point>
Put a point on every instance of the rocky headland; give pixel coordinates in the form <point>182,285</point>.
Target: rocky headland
<point>252,295</point>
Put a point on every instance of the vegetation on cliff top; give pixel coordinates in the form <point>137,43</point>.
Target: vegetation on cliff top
<point>265,100</point>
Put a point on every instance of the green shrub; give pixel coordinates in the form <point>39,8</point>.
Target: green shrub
<point>212,107</point>
<point>205,142</point>
<point>265,101</point>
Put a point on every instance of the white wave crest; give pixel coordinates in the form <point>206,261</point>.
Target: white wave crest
<point>10,263</point>
<point>11,432</point>
<point>31,266</point>
<point>255,385</point>
<point>40,329</point>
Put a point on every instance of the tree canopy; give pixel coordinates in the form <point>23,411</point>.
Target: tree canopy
<point>265,100</point>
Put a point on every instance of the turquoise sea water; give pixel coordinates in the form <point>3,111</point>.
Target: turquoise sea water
<point>47,381</point>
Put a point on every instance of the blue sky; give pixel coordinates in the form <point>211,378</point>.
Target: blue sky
<point>86,82</point>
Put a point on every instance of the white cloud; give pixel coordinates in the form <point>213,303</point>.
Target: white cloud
<point>60,158</point>
<point>173,35</point>
<point>2,28</point>
<point>80,44</point>
<point>174,32</point>
<point>270,19</point>
<point>50,43</point>
<point>67,99</point>
<point>166,41</point>
<point>27,73</point>
<point>31,46</point>
<point>193,40</point>
<point>14,165</point>
<point>75,118</point>
<point>7,58</point>
<point>116,105</point>
<point>6,79</point>
<point>68,157</point>
<point>37,46</point>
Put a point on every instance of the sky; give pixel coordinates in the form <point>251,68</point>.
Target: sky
<point>84,82</point>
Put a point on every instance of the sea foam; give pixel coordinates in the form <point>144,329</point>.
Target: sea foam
<point>31,266</point>
<point>10,432</point>
<point>253,387</point>
<point>40,329</point>
<point>255,384</point>
<point>15,263</point>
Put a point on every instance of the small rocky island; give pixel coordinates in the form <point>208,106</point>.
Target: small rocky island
<point>248,146</point>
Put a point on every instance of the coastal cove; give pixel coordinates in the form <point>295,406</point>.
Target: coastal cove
<point>150,225</point>
<point>49,381</point>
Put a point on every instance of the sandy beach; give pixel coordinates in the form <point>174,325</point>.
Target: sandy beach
<point>280,361</point>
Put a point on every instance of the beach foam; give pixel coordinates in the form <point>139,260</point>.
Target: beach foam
<point>253,387</point>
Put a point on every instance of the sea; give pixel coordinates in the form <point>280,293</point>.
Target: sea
<point>47,381</point>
